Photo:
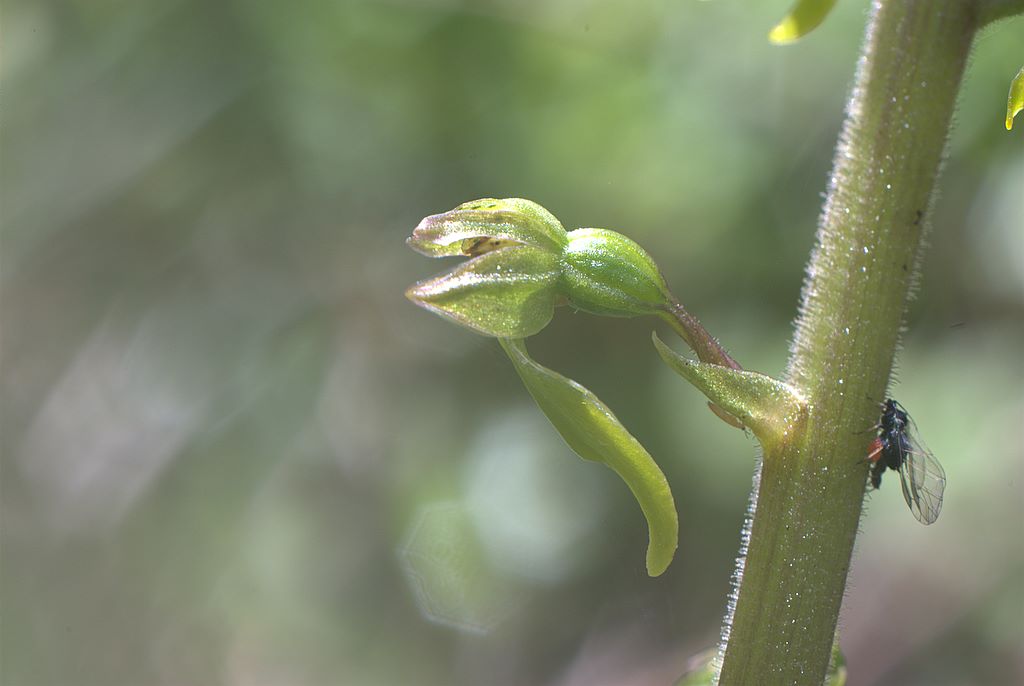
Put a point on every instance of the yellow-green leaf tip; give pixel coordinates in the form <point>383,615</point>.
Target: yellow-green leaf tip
<point>1015,101</point>
<point>801,20</point>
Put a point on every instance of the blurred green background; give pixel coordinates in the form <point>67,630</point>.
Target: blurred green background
<point>233,453</point>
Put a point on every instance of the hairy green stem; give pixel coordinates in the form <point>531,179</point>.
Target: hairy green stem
<point>807,499</point>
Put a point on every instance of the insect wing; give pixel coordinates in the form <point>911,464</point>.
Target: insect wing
<point>923,480</point>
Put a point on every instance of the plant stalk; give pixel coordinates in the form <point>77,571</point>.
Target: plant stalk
<point>706,346</point>
<point>808,496</point>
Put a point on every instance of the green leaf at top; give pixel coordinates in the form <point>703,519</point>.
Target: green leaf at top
<point>801,20</point>
<point>594,433</point>
<point>1015,101</point>
<point>508,292</point>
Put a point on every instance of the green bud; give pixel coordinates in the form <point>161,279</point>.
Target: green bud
<point>524,263</point>
<point>605,273</point>
<point>480,226</point>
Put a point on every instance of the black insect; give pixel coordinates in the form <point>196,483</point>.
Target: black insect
<point>897,447</point>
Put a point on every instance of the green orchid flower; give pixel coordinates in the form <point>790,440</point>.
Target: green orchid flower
<point>522,263</point>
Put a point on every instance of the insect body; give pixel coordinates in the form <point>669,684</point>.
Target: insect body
<point>898,448</point>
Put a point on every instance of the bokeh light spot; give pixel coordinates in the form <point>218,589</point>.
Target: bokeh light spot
<point>446,568</point>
